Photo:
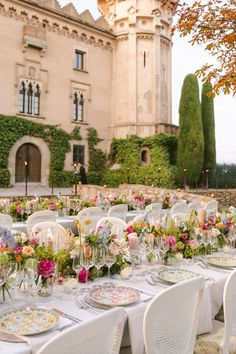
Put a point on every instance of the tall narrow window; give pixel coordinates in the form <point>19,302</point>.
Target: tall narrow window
<point>22,98</point>
<point>78,154</point>
<point>30,99</point>
<point>37,101</point>
<point>79,60</point>
<point>78,107</point>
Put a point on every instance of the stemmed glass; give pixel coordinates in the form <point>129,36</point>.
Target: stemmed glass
<point>99,259</point>
<point>231,237</point>
<point>76,265</point>
<point>163,248</point>
<point>110,259</point>
<point>87,259</point>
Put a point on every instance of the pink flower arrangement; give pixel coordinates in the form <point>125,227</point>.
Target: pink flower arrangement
<point>46,268</point>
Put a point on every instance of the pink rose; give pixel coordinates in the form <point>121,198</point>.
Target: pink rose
<point>184,236</point>
<point>171,240</point>
<point>46,268</point>
<point>129,229</point>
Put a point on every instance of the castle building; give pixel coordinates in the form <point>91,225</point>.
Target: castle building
<point>62,68</point>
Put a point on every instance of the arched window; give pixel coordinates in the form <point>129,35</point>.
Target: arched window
<point>22,98</point>
<point>37,101</point>
<point>78,107</point>
<point>145,156</point>
<point>29,98</point>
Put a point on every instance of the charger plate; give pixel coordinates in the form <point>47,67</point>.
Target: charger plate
<point>173,276</point>
<point>118,296</point>
<point>28,321</point>
<point>222,262</point>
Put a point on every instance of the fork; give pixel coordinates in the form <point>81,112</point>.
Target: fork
<point>85,306</point>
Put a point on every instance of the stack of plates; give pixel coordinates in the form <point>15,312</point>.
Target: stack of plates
<point>107,297</point>
<point>174,276</point>
<point>222,262</point>
<point>28,321</point>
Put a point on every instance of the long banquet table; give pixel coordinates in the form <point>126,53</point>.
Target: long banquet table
<point>212,300</point>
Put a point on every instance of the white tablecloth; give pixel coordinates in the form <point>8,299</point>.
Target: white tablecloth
<point>212,300</point>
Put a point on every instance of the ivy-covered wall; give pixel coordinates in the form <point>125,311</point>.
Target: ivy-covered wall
<point>125,153</point>
<point>13,128</point>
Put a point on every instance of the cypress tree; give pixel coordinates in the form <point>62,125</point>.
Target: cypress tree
<point>190,138</point>
<point>208,123</point>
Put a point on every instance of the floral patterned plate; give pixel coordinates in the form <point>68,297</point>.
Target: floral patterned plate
<point>222,262</point>
<point>118,296</point>
<point>174,276</point>
<point>28,321</point>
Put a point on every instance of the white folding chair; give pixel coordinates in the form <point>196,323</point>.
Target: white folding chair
<point>6,221</point>
<point>181,207</point>
<point>39,216</point>
<point>171,319</point>
<point>88,218</point>
<point>223,337</point>
<point>57,231</point>
<point>232,209</point>
<point>179,217</point>
<point>117,225</point>
<point>100,335</point>
<point>211,207</point>
<point>153,212</point>
<point>118,211</point>
<point>194,206</point>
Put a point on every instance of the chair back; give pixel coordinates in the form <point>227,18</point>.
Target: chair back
<point>88,218</point>
<point>194,206</point>
<point>180,207</point>
<point>6,221</point>
<point>39,216</point>
<point>153,212</point>
<point>229,302</point>
<point>101,334</point>
<point>117,225</point>
<point>118,211</point>
<point>211,206</point>
<point>171,319</point>
<point>232,209</point>
<point>179,217</point>
<point>57,233</point>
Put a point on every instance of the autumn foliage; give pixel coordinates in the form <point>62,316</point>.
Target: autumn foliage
<point>211,24</point>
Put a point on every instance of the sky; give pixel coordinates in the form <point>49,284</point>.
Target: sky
<point>185,60</point>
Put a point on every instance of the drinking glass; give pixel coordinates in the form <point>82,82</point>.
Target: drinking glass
<point>87,259</point>
<point>231,237</point>
<point>99,259</point>
<point>110,259</point>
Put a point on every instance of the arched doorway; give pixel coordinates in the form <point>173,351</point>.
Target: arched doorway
<point>28,161</point>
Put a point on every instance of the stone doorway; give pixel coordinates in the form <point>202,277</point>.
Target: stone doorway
<point>28,161</point>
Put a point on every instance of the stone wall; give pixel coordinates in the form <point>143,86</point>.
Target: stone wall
<point>225,198</point>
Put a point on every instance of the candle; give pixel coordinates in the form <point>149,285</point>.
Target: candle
<point>49,238</point>
<point>133,242</point>
<point>202,216</point>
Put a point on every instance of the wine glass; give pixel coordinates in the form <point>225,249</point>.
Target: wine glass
<point>231,237</point>
<point>110,259</point>
<point>99,259</point>
<point>87,259</point>
<point>76,265</point>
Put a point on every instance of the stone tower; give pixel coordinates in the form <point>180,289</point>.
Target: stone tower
<point>142,66</point>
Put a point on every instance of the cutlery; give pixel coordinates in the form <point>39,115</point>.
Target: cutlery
<point>68,316</point>
<point>11,337</point>
<point>85,306</point>
<point>156,280</point>
<point>203,265</point>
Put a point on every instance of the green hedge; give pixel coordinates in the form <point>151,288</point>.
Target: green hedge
<point>160,171</point>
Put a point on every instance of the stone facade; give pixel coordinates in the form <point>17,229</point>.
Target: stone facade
<point>63,68</point>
